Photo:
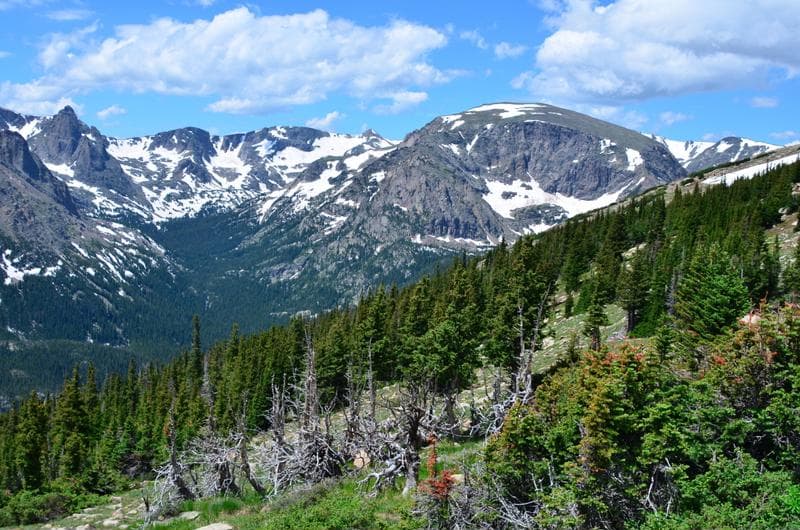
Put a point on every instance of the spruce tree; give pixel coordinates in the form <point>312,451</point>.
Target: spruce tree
<point>711,294</point>
<point>595,319</point>
<point>633,289</point>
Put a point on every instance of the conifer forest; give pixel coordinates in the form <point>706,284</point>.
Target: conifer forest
<point>689,419</point>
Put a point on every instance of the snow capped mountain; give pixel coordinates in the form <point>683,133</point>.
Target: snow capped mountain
<point>540,164</point>
<point>684,151</point>
<point>463,181</point>
<point>183,171</point>
<point>52,256</point>
<point>697,155</point>
<point>178,173</point>
<point>255,226</point>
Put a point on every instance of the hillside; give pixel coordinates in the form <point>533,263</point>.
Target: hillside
<point>612,432</point>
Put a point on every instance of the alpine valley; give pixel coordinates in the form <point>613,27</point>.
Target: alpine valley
<point>109,245</point>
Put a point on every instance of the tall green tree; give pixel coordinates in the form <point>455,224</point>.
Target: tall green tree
<point>711,295</point>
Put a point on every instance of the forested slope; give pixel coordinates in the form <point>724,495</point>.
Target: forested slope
<point>696,426</point>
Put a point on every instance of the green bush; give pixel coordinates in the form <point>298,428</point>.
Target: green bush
<point>28,507</point>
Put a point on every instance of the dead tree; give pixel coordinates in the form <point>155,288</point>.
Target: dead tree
<point>176,470</point>
<point>309,420</point>
<point>396,442</point>
<point>244,460</point>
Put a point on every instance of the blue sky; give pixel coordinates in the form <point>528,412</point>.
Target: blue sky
<point>683,69</point>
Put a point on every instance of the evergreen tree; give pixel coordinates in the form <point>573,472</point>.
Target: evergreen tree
<point>31,443</point>
<point>595,318</point>
<point>197,351</point>
<point>633,289</point>
<point>711,295</point>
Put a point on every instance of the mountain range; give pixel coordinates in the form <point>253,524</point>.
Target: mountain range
<point>120,241</point>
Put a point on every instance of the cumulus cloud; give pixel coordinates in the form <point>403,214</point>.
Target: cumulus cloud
<point>248,63</point>
<point>475,38</point>
<point>764,102</point>
<point>34,98</point>
<point>402,101</point>
<point>670,118</point>
<point>631,50</point>
<point>326,121</point>
<point>113,110</point>
<point>505,50</point>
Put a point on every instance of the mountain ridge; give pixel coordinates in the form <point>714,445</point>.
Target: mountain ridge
<point>254,227</point>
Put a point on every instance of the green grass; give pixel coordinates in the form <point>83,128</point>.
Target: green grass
<point>331,505</point>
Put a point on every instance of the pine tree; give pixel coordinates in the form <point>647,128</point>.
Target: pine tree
<point>31,442</point>
<point>69,429</point>
<point>197,351</point>
<point>711,295</point>
<point>595,319</point>
<point>633,289</point>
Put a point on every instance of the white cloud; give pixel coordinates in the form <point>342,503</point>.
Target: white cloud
<point>764,102</point>
<point>475,38</point>
<point>113,110</point>
<point>638,49</point>
<point>785,136</point>
<point>69,15</point>
<point>60,47</point>
<point>34,98</point>
<point>4,54</point>
<point>247,63</point>
<point>326,121</point>
<point>670,118</point>
<point>11,4</point>
<point>504,50</point>
<point>402,101</point>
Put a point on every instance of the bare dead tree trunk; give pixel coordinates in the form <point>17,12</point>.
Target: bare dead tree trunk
<point>520,382</point>
<point>310,417</point>
<point>353,411</point>
<point>244,462</point>
<point>371,385</point>
<point>226,481</point>
<point>412,449</point>
<point>279,413</point>
<point>175,469</point>
<point>450,410</point>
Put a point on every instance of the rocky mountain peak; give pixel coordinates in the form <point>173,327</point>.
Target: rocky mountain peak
<point>18,159</point>
<point>15,154</point>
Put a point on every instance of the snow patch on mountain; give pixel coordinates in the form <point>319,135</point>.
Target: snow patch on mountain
<point>61,169</point>
<point>506,198</point>
<point>507,110</point>
<point>16,268</point>
<point>634,159</point>
<point>731,176</point>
